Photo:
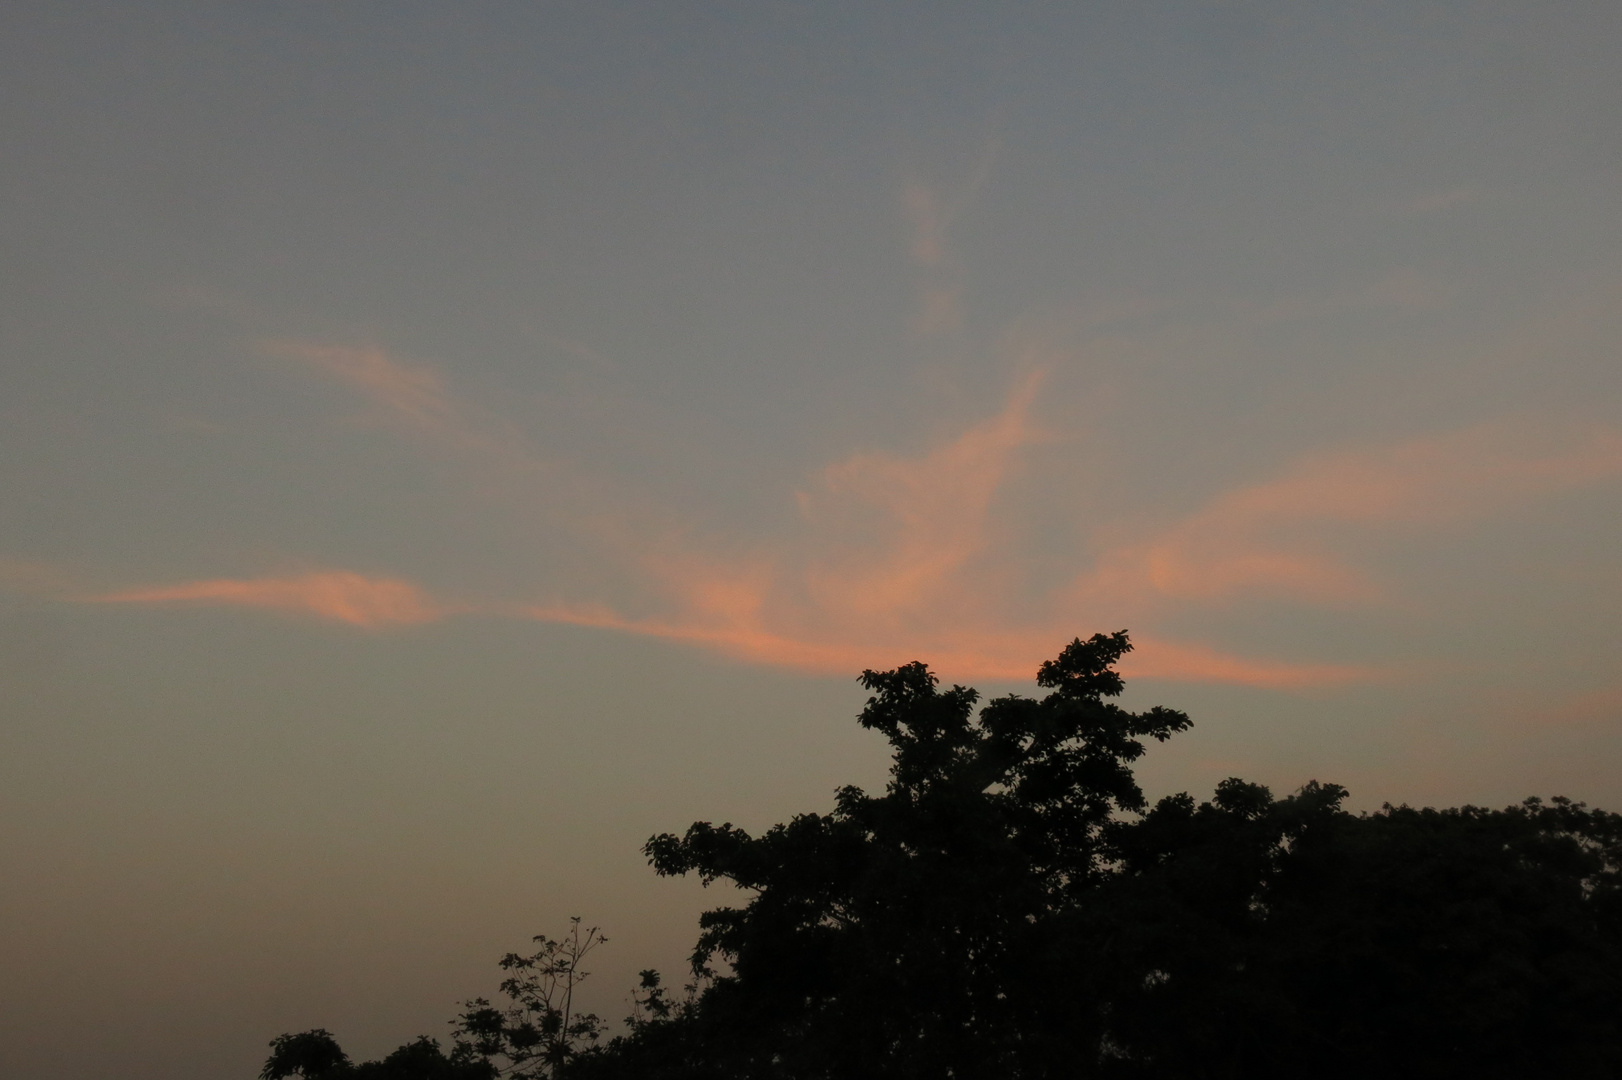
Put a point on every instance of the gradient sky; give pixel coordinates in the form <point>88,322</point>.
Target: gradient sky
<point>443,444</point>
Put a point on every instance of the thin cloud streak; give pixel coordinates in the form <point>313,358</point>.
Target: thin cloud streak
<point>892,533</point>
<point>412,395</point>
<point>1273,538</point>
<point>336,596</point>
<point>909,557</point>
<point>941,288</point>
<point>416,394</point>
<point>1432,480</point>
<point>885,574</point>
<point>892,571</point>
<point>988,656</point>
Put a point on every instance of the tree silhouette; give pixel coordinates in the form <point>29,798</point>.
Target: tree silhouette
<point>316,1055</point>
<point>534,1037</point>
<point>539,1033</point>
<point>1012,907</point>
<point>310,1054</point>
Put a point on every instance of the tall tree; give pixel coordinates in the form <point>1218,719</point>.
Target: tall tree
<point>534,1036</point>
<point>539,1032</point>
<point>1011,907</point>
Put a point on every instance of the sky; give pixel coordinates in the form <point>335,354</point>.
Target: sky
<point>443,445</point>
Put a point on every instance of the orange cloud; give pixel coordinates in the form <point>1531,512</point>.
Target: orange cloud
<point>338,596</point>
<point>415,393</point>
<point>1275,537</point>
<point>899,562</point>
<point>1190,565</point>
<point>892,533</point>
<point>743,639</point>
<point>902,558</point>
<point>958,654</point>
<point>410,394</point>
<point>1435,479</point>
<point>1158,659</point>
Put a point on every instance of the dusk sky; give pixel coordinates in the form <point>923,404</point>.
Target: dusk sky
<point>442,445</point>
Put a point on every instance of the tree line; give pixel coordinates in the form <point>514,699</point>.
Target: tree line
<point>1012,906</point>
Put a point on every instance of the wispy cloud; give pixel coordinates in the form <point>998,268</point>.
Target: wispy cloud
<point>1278,537</point>
<point>1157,658</point>
<point>412,395</point>
<point>900,557</point>
<point>1435,479</point>
<point>336,596</point>
<point>416,394</point>
<point>960,651</point>
<point>899,560</point>
<point>894,531</point>
<point>930,212</point>
<point>896,559</point>
<point>941,279</point>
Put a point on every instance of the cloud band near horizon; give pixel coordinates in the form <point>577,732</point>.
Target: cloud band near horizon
<point>906,557</point>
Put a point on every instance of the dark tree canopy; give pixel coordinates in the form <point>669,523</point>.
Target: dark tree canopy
<point>1012,907</point>
<point>316,1055</point>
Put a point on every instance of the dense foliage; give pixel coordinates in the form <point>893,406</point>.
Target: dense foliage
<point>1012,907</point>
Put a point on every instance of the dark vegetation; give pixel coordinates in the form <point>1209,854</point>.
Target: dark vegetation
<point>1012,907</point>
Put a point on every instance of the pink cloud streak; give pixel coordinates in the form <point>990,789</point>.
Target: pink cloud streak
<point>965,656</point>
<point>890,571</point>
<point>1274,538</point>
<point>908,557</point>
<point>336,596</point>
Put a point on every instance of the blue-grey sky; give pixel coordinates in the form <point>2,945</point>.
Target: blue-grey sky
<point>441,445</point>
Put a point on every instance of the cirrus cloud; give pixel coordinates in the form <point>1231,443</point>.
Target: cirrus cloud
<point>335,596</point>
<point>896,557</point>
<point>1277,537</point>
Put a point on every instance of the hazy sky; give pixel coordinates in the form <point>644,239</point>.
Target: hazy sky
<point>443,444</point>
